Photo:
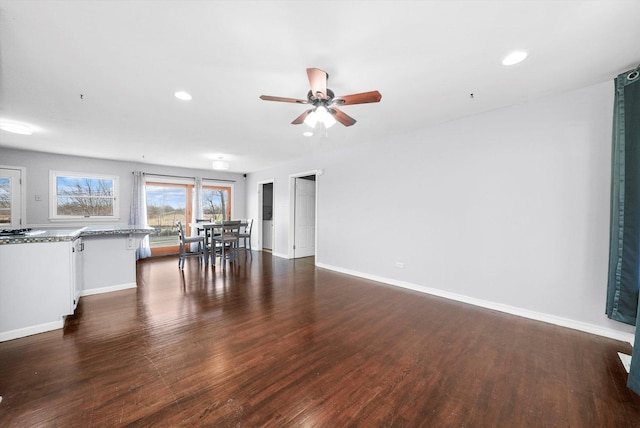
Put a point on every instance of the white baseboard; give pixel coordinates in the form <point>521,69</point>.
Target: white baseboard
<point>56,325</point>
<point>101,290</point>
<point>282,256</point>
<point>538,316</point>
<point>31,330</point>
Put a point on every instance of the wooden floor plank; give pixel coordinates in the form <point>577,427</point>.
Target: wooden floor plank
<point>273,342</point>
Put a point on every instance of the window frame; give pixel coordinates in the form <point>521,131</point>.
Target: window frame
<point>53,196</point>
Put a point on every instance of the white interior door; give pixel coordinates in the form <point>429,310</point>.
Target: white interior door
<point>10,197</point>
<point>305,218</point>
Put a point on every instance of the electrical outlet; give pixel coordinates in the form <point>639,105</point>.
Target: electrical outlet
<point>129,243</point>
<point>400,265</point>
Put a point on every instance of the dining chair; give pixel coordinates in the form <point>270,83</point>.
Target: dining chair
<point>185,246</point>
<point>245,235</point>
<point>207,232</point>
<point>226,243</point>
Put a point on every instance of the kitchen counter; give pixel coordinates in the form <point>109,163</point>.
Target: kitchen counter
<point>63,234</point>
<point>42,280</point>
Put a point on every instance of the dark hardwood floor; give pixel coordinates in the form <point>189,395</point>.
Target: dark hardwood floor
<point>274,342</point>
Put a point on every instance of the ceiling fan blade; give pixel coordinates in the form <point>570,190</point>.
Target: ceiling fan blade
<point>318,81</point>
<point>300,119</point>
<point>283,99</point>
<point>362,98</point>
<point>342,117</point>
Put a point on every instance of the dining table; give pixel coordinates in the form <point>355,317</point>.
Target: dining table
<point>209,229</point>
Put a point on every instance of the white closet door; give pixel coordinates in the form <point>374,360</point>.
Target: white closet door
<point>305,218</point>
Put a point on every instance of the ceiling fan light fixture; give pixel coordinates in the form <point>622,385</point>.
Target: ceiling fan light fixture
<point>329,120</point>
<point>320,115</point>
<point>311,120</point>
<point>325,103</point>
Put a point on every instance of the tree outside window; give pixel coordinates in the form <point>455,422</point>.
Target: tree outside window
<point>215,203</point>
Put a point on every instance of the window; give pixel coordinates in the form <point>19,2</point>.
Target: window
<point>12,188</point>
<point>166,204</point>
<point>5,200</point>
<point>172,200</point>
<point>215,202</point>
<point>78,195</point>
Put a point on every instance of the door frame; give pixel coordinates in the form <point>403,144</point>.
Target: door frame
<point>291,253</point>
<point>258,224</point>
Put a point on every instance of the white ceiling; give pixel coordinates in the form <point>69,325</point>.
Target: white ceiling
<point>127,58</point>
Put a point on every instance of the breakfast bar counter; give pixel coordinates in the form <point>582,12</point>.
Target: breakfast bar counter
<point>59,234</point>
<point>45,271</point>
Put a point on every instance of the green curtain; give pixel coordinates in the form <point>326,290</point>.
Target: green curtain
<point>624,249</point>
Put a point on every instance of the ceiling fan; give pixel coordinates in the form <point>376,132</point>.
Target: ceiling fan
<point>325,102</point>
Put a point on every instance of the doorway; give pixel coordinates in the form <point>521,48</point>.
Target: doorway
<point>304,215</point>
<point>265,191</point>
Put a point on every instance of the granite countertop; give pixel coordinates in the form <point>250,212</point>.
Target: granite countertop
<point>53,234</point>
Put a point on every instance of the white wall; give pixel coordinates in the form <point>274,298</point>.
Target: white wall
<point>509,208</point>
<point>39,164</point>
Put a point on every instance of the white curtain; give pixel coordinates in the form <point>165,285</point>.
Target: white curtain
<point>138,213</point>
<point>197,207</point>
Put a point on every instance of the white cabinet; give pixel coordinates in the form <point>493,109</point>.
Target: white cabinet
<point>37,287</point>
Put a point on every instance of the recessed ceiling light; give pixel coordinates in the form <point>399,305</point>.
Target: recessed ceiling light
<point>184,96</point>
<point>514,58</point>
<point>308,134</point>
<point>15,127</point>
